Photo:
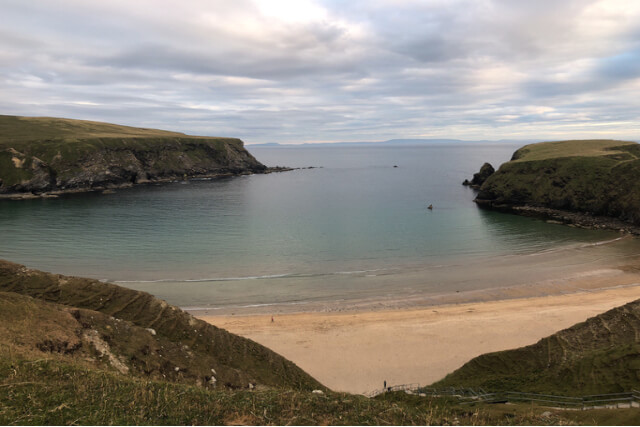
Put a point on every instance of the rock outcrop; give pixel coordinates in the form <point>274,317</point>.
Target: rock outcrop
<point>480,177</point>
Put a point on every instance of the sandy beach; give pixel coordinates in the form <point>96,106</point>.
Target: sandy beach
<point>355,351</point>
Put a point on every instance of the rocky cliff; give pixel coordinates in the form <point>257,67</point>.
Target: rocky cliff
<point>593,178</point>
<point>48,155</point>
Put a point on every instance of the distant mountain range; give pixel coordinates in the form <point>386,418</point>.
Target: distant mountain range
<point>396,142</point>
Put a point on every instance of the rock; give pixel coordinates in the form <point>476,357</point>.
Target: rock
<point>151,331</point>
<point>317,392</point>
<point>480,177</point>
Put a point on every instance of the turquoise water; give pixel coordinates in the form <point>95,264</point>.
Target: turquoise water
<point>354,227</point>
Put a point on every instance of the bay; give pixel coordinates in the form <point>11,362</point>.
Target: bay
<point>354,228</point>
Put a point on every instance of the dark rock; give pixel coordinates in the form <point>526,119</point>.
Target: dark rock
<point>480,177</point>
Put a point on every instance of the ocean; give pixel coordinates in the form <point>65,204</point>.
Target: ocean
<point>352,231</point>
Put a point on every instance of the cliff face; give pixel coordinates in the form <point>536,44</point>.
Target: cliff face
<point>597,177</point>
<point>41,155</point>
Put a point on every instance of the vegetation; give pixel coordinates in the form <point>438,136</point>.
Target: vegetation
<point>600,355</point>
<point>137,333</point>
<point>572,148</point>
<point>46,391</point>
<point>596,177</point>
<point>78,351</point>
<point>50,155</point>
<point>51,392</point>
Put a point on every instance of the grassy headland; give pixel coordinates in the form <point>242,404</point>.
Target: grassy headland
<point>592,177</point>
<point>50,155</point>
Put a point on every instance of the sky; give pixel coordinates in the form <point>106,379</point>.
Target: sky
<point>296,71</point>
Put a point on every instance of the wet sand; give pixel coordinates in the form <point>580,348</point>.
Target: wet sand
<point>356,350</point>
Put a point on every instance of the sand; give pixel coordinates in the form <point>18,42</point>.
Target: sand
<point>356,351</point>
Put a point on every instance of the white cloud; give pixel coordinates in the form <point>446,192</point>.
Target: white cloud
<point>286,70</point>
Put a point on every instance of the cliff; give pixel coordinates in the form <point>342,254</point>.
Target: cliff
<point>50,155</point>
<point>592,178</point>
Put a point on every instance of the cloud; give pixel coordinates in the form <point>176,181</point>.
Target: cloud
<point>295,71</point>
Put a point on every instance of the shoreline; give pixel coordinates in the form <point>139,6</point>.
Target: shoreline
<point>566,269</point>
<point>112,187</point>
<point>356,350</point>
<point>565,217</point>
<point>599,279</point>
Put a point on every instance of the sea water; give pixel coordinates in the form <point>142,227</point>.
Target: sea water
<point>354,228</point>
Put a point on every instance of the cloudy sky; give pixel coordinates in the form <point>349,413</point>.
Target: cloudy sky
<point>297,71</point>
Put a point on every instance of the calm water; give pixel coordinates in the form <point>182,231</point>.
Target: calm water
<point>355,228</point>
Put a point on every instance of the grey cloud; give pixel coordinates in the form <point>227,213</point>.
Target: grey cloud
<point>371,69</point>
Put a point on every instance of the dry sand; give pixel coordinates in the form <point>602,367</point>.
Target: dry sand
<point>357,351</point>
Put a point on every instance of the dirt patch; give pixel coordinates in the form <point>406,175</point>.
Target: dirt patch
<point>103,348</point>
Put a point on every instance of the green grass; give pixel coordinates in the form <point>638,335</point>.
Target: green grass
<point>16,130</point>
<point>558,149</point>
<point>50,392</point>
<point>46,392</point>
<point>600,355</point>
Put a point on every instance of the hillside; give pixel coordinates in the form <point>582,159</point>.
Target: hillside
<point>79,351</point>
<point>135,332</point>
<point>591,177</point>
<point>600,355</point>
<point>44,391</point>
<point>50,155</point>
<point>57,368</point>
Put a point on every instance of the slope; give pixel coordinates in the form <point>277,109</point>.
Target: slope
<point>600,355</point>
<point>146,335</point>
